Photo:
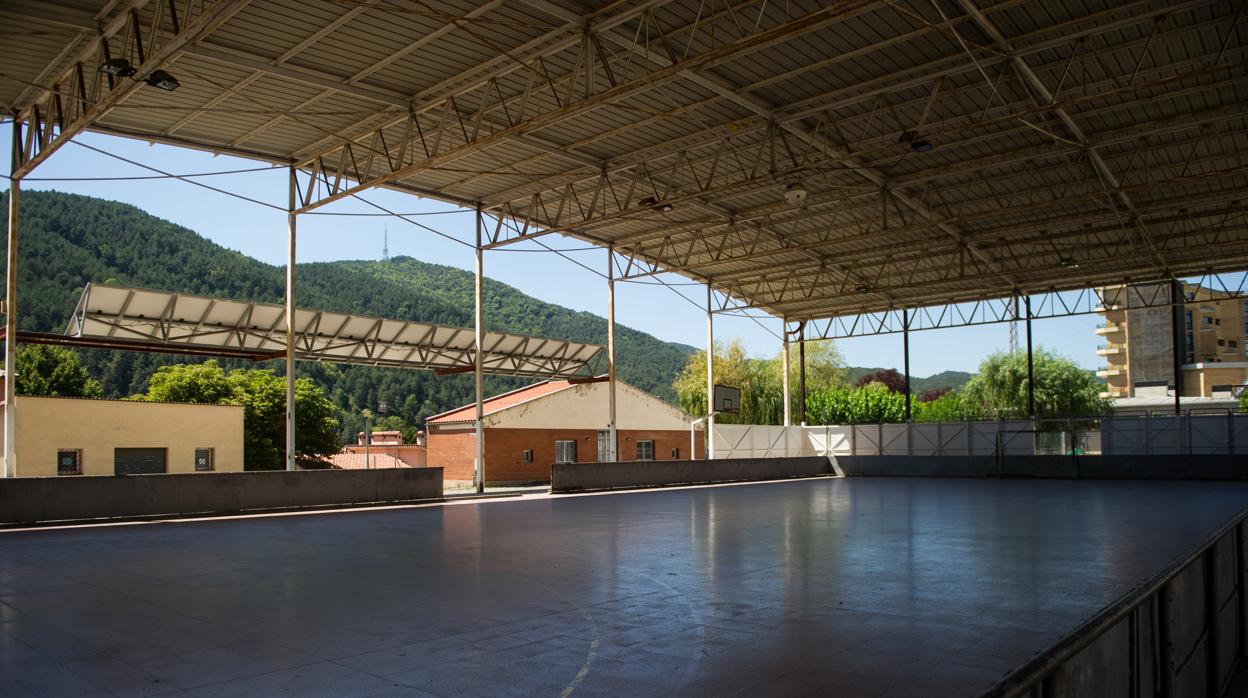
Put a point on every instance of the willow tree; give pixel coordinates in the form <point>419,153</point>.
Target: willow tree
<point>760,380</point>
<point>1062,389</point>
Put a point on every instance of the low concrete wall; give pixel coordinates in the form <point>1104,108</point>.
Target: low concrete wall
<point>43,499</point>
<point>576,477</point>
<point>1151,467</point>
<point>1175,634</point>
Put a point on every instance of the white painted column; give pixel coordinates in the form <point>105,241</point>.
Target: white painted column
<point>612,444</point>
<point>10,323</point>
<point>710,374</point>
<point>290,325</point>
<point>784,368</point>
<point>479,344</point>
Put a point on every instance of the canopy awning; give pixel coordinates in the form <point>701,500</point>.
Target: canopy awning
<point>180,322</point>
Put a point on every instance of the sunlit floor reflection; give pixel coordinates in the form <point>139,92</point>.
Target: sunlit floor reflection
<point>864,586</point>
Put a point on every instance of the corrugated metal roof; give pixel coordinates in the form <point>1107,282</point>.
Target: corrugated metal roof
<point>494,404</point>
<point>1109,133</point>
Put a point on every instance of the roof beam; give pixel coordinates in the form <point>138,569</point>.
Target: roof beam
<point>46,133</point>
<point>1045,96</point>
<point>458,142</point>
<point>1133,13</point>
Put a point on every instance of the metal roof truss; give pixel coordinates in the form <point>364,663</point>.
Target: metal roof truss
<point>180,321</point>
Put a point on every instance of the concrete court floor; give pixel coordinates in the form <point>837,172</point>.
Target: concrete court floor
<point>845,587</point>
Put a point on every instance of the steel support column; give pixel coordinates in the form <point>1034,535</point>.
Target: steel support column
<point>290,323</point>
<point>10,317</point>
<point>1178,330</point>
<point>1031,372</point>
<point>801,373</point>
<point>905,355</point>
<point>612,446</point>
<point>710,373</point>
<point>784,380</point>
<point>478,473</point>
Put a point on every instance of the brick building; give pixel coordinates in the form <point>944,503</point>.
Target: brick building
<point>386,449</point>
<point>527,430</point>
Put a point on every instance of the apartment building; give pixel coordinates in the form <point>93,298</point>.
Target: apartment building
<point>1139,342</point>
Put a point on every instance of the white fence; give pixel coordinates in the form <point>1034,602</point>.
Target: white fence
<point>1172,434</point>
<point>1145,435</point>
<point>929,439</point>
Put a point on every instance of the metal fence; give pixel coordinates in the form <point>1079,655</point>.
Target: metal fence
<point>1220,433</point>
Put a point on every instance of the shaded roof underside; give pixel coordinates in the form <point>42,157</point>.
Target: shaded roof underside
<point>1074,142</point>
<point>182,321</point>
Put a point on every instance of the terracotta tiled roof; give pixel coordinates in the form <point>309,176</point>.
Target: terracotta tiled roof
<point>356,461</point>
<point>500,402</point>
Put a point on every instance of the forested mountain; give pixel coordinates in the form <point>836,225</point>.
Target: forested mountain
<point>68,240</point>
<point>944,379</point>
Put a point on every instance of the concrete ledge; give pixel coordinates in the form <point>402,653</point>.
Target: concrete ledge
<point>1112,467</point>
<point>578,477</point>
<point>45,499</point>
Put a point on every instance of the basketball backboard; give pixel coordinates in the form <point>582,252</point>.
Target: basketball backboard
<point>726,400</point>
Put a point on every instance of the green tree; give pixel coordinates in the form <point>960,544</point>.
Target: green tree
<point>873,403</point>
<point>949,407</point>
<point>54,372</point>
<point>760,380</point>
<point>262,395</point>
<point>825,369</point>
<point>1063,388</point>
<point>204,383</point>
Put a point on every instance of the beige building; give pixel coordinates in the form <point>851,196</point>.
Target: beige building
<point>72,436</point>
<point>1139,343</point>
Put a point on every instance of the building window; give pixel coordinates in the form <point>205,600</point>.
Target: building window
<point>645,450</point>
<point>565,451</point>
<point>1208,320</point>
<point>528,455</point>
<point>205,460</point>
<point>69,461</point>
<point>1190,340</point>
<point>675,454</point>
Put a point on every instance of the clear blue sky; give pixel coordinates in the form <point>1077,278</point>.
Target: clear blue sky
<point>260,232</point>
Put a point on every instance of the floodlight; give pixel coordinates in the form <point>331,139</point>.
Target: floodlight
<point>653,201</point>
<point>117,67</point>
<point>163,80</point>
<point>795,194</point>
<point>1070,263</point>
<point>917,144</point>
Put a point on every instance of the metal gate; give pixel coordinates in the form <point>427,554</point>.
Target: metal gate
<point>138,461</point>
<point>604,446</point>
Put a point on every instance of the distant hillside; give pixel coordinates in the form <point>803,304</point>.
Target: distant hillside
<point>68,240</point>
<point>951,379</point>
